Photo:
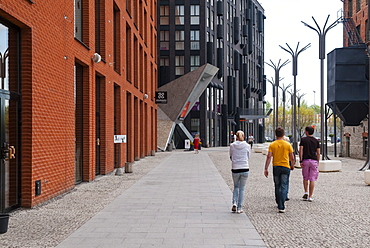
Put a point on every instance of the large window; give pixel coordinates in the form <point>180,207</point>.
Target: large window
<point>194,62</point>
<point>116,38</point>
<point>128,54</point>
<point>164,37</point>
<point>179,15</point>
<point>358,5</point>
<point>350,8</point>
<point>78,19</point>
<point>99,28</point>
<point>164,13</point>
<point>194,40</point>
<point>194,14</point>
<point>179,64</point>
<point>179,38</point>
<point>164,61</point>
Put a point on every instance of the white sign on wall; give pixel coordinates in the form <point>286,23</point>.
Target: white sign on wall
<point>119,139</point>
<point>187,144</point>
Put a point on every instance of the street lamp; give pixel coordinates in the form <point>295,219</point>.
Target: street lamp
<point>284,98</point>
<point>272,82</point>
<point>277,68</point>
<point>322,33</point>
<point>299,115</point>
<point>292,103</point>
<point>295,73</point>
<point>314,106</point>
<point>273,102</point>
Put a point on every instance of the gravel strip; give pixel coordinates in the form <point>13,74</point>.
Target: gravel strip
<point>338,217</point>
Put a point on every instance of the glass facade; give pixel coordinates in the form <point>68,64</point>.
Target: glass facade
<point>233,30</point>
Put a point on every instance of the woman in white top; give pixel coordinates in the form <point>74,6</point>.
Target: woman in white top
<point>239,155</point>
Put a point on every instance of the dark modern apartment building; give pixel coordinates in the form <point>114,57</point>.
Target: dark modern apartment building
<point>229,35</point>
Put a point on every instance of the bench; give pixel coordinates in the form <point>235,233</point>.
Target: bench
<point>367,177</point>
<point>330,165</point>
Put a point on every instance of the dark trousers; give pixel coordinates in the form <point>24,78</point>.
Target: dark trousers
<point>281,181</point>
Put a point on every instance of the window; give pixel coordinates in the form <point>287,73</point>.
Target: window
<point>129,54</point>
<point>179,15</point>
<point>129,6</point>
<point>179,37</point>
<point>164,40</point>
<point>194,14</point>
<point>164,14</point>
<point>358,5</point>
<point>228,32</point>
<point>350,8</point>
<point>116,39</point>
<point>164,61</point>
<point>136,62</point>
<point>179,64</point>
<point>99,28</point>
<point>194,40</point>
<point>194,62</point>
<point>78,19</point>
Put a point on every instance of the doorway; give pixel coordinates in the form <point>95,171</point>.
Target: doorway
<point>9,117</point>
<point>97,125</point>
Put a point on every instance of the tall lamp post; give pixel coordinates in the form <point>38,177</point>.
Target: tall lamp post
<point>314,105</point>
<point>291,103</point>
<point>272,82</point>
<point>295,73</point>
<point>299,115</point>
<point>322,33</point>
<point>273,102</point>
<point>277,68</point>
<point>284,98</point>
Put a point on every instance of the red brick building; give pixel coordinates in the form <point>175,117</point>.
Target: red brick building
<point>73,75</point>
<point>355,21</point>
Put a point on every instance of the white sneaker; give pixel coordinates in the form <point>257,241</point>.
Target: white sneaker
<point>239,211</point>
<point>310,199</point>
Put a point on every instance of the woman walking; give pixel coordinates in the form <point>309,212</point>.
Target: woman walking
<point>239,155</point>
<point>196,143</point>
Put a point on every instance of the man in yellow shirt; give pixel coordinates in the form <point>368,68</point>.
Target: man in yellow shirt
<point>281,153</point>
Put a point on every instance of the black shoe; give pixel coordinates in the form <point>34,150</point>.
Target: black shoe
<point>233,209</point>
<point>287,199</point>
<point>304,197</point>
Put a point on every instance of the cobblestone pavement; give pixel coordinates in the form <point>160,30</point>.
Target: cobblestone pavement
<point>338,217</point>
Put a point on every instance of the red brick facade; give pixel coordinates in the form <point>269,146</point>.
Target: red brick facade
<point>63,91</point>
<point>357,10</point>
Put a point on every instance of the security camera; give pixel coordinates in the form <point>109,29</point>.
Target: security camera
<point>96,58</point>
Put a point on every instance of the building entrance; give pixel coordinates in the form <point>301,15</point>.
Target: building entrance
<point>9,114</point>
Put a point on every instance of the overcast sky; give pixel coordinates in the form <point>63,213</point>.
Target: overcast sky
<point>283,25</point>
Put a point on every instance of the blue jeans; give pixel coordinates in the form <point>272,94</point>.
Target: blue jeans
<point>240,179</point>
<point>281,180</point>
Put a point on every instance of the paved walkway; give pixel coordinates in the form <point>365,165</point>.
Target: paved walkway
<point>183,202</point>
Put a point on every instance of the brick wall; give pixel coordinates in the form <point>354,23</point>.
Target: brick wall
<point>359,14</point>
<point>49,55</point>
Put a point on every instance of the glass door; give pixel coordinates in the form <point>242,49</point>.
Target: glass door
<point>9,116</point>
<point>9,172</point>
